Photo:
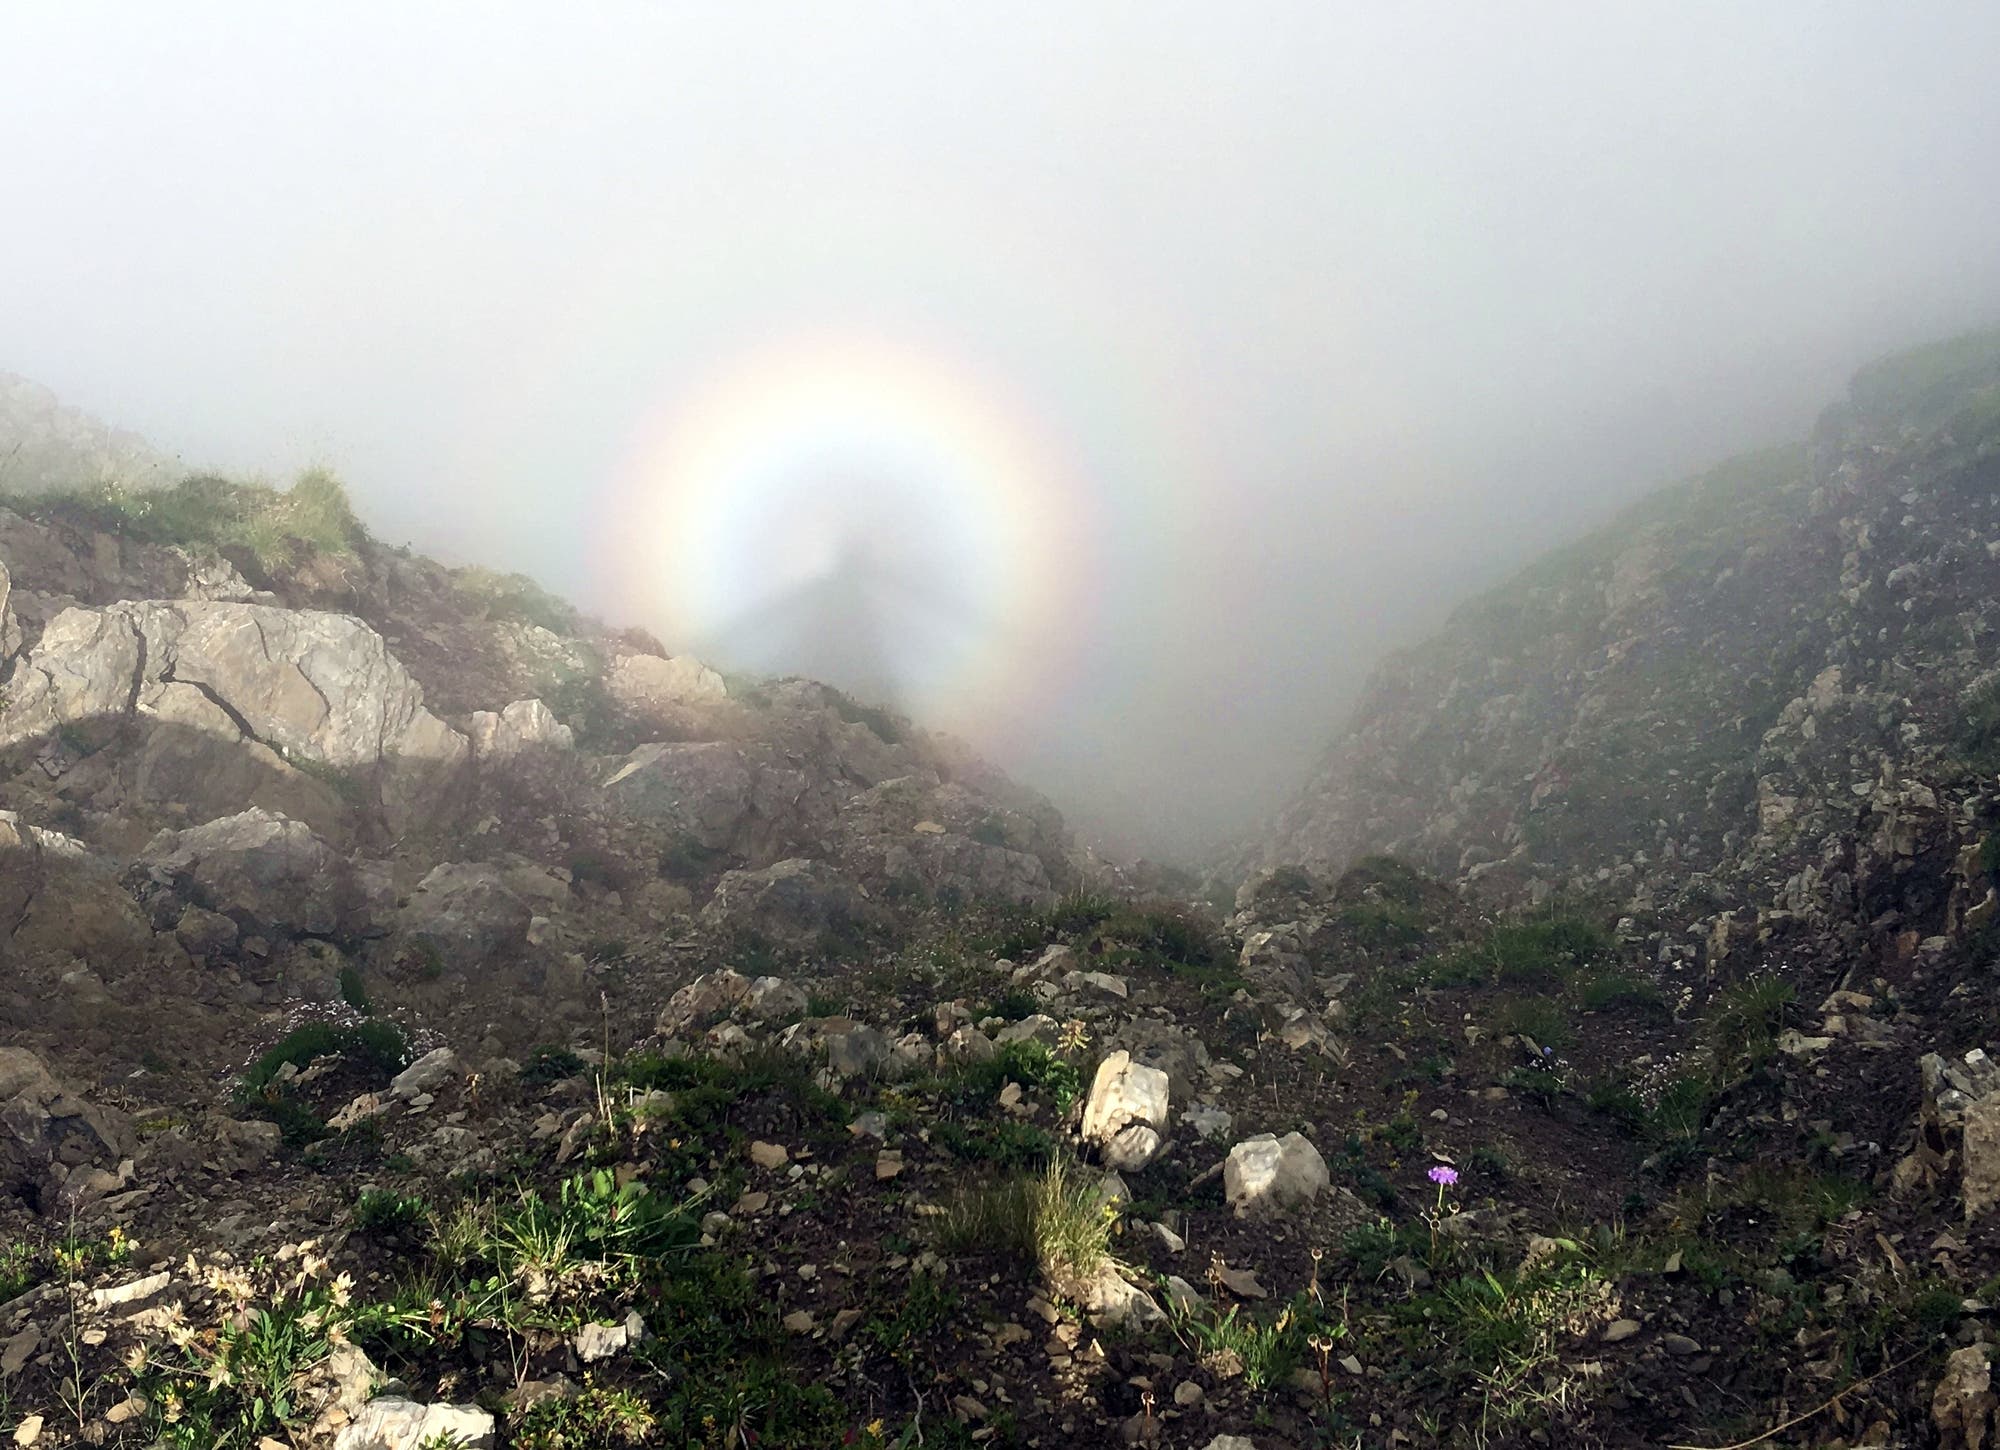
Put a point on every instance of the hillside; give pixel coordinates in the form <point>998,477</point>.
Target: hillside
<point>1796,643</point>
<point>435,1018</point>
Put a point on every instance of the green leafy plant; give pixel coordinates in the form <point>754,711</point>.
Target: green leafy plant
<point>380,1211</point>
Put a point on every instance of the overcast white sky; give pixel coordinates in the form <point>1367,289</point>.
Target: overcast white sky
<point>1334,311</point>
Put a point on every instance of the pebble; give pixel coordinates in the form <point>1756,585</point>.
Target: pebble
<point>769,1155</point>
<point>1619,1329</point>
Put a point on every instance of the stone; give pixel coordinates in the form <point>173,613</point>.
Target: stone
<point>649,683</point>
<point>599,1341</point>
<point>769,1155</point>
<point>1230,1442</point>
<point>1620,1329</point>
<point>1266,1174</point>
<point>1126,1113</point>
<point>856,1052</point>
<point>1207,1121</point>
<point>397,1424</point>
<point>1982,1156</point>
<point>1962,1405</point>
<point>794,903</point>
<point>264,685</point>
<point>525,725</point>
<point>267,873</point>
<point>58,1150</point>
<point>10,628</point>
<point>468,914</point>
<point>799,1321</point>
<point>427,1074</point>
<point>1679,1344</point>
<point>1241,1282</point>
<point>707,997</point>
<point>131,1291</point>
<point>1036,1027</point>
<point>773,999</point>
<point>968,1045</point>
<point>59,901</point>
<point>1109,1298</point>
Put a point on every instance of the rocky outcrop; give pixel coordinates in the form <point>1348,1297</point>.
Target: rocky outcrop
<point>1713,684</point>
<point>266,874</point>
<point>301,686</point>
<point>58,901</point>
<point>10,628</point>
<point>57,1149</point>
<point>794,903</point>
<point>649,683</point>
<point>1126,1113</point>
<point>46,444</point>
<point>521,727</point>
<point>466,913</point>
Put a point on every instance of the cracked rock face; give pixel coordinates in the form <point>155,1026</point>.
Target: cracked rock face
<point>294,685</point>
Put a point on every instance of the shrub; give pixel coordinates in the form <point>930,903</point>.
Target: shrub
<point>1383,925</point>
<point>547,1065</point>
<point>380,1046</point>
<point>1544,952</point>
<point>513,597</point>
<point>377,1210</point>
<point>354,992</point>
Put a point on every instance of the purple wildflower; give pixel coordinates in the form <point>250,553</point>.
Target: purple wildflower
<point>1443,1177</point>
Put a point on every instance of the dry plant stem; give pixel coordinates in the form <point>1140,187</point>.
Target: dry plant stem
<point>1823,1406</point>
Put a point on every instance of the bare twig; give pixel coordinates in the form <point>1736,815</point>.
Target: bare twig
<point>1827,1404</point>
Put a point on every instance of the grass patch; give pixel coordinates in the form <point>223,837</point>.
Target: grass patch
<point>1741,1028</point>
<point>1541,1019</point>
<point>1383,925</point>
<point>278,528</point>
<point>380,1211</point>
<point>512,597</point>
<point>1604,991</point>
<point>1054,1219</point>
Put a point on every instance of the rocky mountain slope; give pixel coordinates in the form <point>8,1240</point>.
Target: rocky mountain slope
<point>1799,643</point>
<point>430,1018</point>
<point>45,445</point>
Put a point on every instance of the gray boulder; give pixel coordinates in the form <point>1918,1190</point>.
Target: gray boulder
<point>1126,1114</point>
<point>10,628</point>
<point>268,874</point>
<point>57,900</point>
<point>1267,1174</point>
<point>649,683</point>
<point>792,903</point>
<point>468,913</point>
<point>396,1424</point>
<point>301,684</point>
<point>523,726</point>
<point>57,1148</point>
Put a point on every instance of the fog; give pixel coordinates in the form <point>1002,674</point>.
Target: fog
<point>1138,374</point>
